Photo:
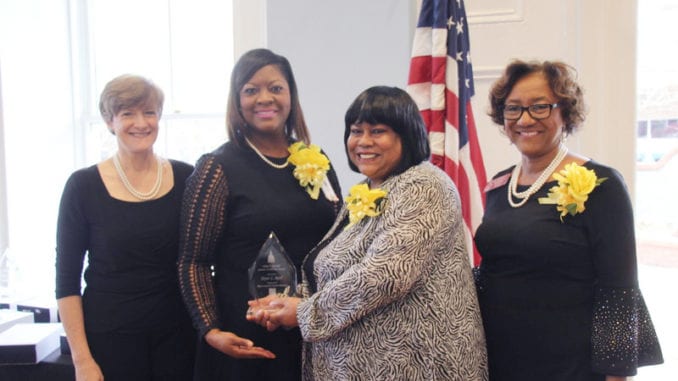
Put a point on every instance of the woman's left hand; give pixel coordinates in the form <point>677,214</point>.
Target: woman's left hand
<point>272,312</point>
<point>615,378</point>
<point>259,308</point>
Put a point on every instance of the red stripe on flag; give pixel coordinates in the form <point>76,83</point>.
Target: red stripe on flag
<point>452,169</point>
<point>420,69</point>
<point>438,67</point>
<point>427,69</point>
<point>438,160</point>
<point>475,152</point>
<point>437,121</point>
<point>464,186</point>
<point>426,115</point>
<point>451,109</point>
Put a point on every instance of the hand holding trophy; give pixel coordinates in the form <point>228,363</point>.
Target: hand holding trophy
<point>272,275</point>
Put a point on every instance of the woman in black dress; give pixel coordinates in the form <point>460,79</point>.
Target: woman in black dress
<point>237,195</point>
<point>123,213</point>
<point>558,285</point>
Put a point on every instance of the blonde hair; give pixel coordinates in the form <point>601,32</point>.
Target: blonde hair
<point>128,91</point>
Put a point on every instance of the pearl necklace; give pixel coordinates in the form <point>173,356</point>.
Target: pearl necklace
<point>125,181</point>
<point>264,158</point>
<point>545,174</point>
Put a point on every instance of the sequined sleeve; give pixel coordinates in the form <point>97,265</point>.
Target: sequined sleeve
<point>202,220</point>
<point>623,337</point>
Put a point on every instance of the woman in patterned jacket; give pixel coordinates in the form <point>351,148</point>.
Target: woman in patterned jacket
<point>388,293</point>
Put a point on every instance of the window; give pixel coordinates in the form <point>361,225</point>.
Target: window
<point>664,129</point>
<point>657,176</point>
<point>51,79</point>
<point>186,48</point>
<point>657,140</point>
<point>642,128</point>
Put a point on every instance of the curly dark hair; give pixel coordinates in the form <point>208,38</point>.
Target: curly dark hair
<point>562,80</point>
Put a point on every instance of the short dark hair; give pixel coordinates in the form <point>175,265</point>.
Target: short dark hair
<point>395,108</point>
<point>562,79</point>
<point>248,64</point>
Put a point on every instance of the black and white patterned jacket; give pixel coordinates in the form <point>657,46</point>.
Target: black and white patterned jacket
<point>396,298</point>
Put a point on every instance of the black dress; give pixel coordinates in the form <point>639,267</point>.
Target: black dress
<point>560,300</point>
<point>132,286</point>
<point>233,201</point>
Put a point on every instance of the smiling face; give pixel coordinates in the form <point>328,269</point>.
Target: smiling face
<point>265,101</point>
<point>534,138</point>
<point>136,128</point>
<point>375,149</point>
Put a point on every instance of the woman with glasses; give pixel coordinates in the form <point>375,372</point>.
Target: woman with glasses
<point>558,285</point>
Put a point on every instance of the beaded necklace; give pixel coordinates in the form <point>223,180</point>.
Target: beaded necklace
<point>264,158</point>
<point>125,181</point>
<point>545,174</point>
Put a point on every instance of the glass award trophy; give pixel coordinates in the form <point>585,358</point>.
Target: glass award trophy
<point>272,272</point>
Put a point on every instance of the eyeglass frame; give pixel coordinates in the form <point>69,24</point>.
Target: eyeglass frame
<point>527,108</point>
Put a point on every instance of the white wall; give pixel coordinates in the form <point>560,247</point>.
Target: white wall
<point>339,48</point>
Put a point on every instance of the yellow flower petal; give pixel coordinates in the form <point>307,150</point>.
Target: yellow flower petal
<point>311,166</point>
<point>575,183</point>
<point>363,201</point>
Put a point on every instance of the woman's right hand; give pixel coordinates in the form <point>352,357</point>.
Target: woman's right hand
<point>88,370</point>
<point>235,346</point>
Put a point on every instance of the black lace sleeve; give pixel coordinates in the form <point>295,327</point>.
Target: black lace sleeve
<point>202,220</point>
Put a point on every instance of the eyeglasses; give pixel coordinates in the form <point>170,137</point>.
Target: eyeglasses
<point>537,111</point>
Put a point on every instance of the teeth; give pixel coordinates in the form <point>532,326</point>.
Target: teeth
<point>266,114</point>
<point>528,133</point>
<point>367,156</point>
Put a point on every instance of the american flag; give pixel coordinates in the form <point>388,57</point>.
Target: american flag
<point>441,82</point>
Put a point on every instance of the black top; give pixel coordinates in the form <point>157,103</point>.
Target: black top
<point>131,250</point>
<point>233,201</point>
<point>560,300</point>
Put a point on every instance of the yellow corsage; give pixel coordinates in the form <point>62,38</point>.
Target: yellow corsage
<point>311,167</point>
<point>364,202</point>
<point>575,183</point>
